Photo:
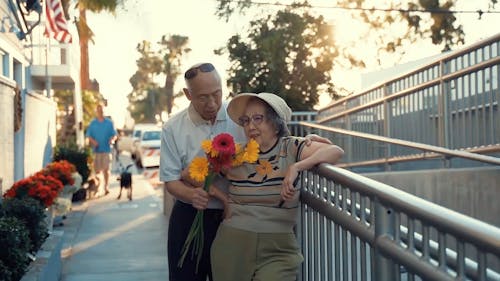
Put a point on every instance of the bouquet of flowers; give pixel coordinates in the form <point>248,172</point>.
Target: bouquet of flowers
<point>220,154</point>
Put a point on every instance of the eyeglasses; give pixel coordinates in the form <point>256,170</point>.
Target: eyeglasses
<point>204,67</point>
<point>245,120</point>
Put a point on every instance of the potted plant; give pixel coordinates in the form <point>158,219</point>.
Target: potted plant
<point>15,245</point>
<point>31,213</point>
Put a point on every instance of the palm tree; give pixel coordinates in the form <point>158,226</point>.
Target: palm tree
<point>175,47</point>
<point>85,34</point>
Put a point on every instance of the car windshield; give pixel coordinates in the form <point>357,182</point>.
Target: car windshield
<point>151,135</point>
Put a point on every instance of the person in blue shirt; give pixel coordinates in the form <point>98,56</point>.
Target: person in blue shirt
<point>101,134</point>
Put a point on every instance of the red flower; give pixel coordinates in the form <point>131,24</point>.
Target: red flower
<point>224,144</point>
<point>50,181</point>
<point>225,147</point>
<point>61,170</point>
<point>221,162</point>
<point>42,187</point>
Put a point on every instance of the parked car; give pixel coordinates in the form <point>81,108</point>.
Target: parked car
<point>137,135</point>
<point>147,148</point>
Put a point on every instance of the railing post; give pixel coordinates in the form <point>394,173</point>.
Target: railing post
<point>387,126</point>
<point>383,268</point>
<point>443,109</point>
<point>348,143</point>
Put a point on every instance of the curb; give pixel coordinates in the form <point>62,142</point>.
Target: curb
<point>47,265</point>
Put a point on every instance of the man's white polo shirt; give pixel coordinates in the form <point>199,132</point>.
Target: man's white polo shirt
<point>181,141</point>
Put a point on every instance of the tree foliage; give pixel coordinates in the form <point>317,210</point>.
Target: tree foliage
<point>289,54</point>
<point>148,99</point>
<point>424,19</point>
<point>291,51</point>
<point>66,114</point>
<point>174,48</point>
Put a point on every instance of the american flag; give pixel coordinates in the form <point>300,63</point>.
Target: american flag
<point>56,25</point>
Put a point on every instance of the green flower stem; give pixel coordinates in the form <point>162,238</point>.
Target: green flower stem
<point>196,235</point>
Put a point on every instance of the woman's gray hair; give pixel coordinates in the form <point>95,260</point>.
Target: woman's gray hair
<point>278,122</point>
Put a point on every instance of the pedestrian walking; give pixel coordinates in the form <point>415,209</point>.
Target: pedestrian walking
<point>101,135</point>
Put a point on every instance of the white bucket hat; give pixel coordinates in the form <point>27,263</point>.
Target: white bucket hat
<point>238,104</point>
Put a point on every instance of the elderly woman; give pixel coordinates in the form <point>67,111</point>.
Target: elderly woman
<point>256,240</point>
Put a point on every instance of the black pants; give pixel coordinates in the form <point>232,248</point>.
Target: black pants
<point>180,223</point>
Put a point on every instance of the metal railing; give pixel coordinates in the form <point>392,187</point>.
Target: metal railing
<point>354,228</point>
<point>436,150</point>
<point>452,102</point>
<point>295,127</point>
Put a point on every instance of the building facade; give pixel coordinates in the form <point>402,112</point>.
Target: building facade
<point>32,67</point>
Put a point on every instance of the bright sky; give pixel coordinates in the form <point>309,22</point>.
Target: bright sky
<point>113,56</point>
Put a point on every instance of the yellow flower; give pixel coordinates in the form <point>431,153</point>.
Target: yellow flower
<point>238,159</point>
<point>251,151</point>
<point>198,169</point>
<point>237,149</point>
<point>206,145</point>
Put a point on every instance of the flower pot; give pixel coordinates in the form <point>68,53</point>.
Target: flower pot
<point>49,218</point>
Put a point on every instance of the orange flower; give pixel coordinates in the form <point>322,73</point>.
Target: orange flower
<point>264,168</point>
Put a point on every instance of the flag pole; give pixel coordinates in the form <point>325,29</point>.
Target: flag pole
<point>48,79</point>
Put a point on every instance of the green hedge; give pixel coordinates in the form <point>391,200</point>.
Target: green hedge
<point>23,230</point>
<point>31,213</point>
<point>15,244</point>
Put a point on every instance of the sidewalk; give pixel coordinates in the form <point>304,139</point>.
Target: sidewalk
<point>110,239</point>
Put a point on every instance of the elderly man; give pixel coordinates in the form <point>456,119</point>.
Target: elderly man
<point>182,135</point>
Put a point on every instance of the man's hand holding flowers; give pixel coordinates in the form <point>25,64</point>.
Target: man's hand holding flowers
<point>199,197</point>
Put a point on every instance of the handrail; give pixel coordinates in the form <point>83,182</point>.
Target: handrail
<point>404,92</point>
<point>464,227</point>
<point>415,157</point>
<point>447,57</point>
<point>362,230</point>
<point>328,191</point>
<point>416,145</point>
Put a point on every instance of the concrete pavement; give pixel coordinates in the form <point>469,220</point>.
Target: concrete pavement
<point>110,239</point>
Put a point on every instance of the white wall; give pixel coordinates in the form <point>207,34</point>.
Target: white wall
<point>6,133</point>
<point>40,132</point>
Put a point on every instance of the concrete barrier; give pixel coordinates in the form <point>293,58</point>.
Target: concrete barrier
<point>471,191</point>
